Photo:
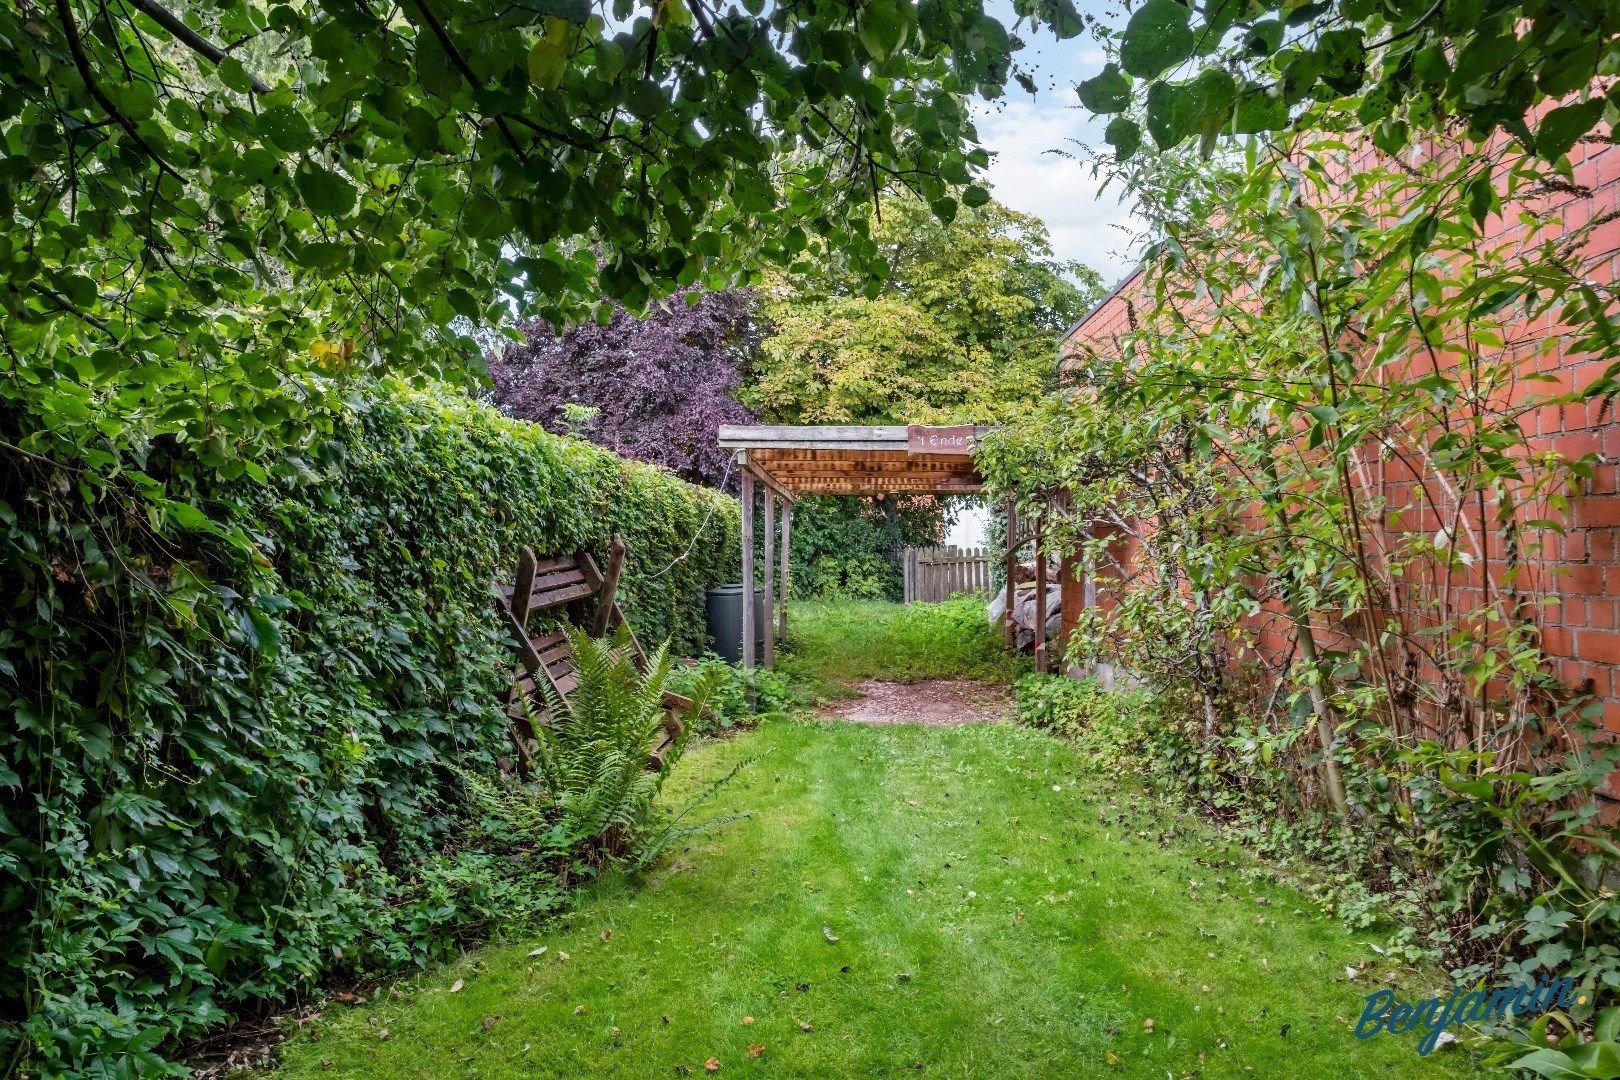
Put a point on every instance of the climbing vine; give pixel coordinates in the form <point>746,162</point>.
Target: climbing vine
<point>1315,450</point>
<point>230,759</point>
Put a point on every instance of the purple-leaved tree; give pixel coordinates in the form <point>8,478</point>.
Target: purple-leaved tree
<point>660,385</point>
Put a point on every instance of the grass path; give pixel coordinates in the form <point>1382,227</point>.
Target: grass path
<point>995,915</point>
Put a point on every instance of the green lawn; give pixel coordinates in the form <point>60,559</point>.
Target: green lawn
<point>994,916</point>
<point>837,642</point>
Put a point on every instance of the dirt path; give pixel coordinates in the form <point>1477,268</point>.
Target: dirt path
<point>934,702</point>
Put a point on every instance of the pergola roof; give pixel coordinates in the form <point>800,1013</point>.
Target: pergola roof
<point>839,460</point>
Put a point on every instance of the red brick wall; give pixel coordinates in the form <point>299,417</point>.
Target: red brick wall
<point>1582,633</point>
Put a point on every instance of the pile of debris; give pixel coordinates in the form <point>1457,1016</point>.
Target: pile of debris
<point>1023,612</point>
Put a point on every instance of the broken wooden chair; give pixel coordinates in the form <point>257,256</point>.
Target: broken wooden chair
<point>569,582</point>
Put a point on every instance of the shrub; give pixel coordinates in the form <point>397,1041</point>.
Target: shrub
<point>728,687</point>
<point>234,706</point>
<point>1460,860</point>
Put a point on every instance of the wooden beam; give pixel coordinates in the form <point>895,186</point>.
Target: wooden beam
<point>1040,599</point>
<point>748,570</point>
<point>770,575</point>
<point>787,540</point>
<point>813,437</point>
<point>765,477</point>
<point>1009,628</point>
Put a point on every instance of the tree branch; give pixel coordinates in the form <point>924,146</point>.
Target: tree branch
<point>70,29</point>
<point>187,36</point>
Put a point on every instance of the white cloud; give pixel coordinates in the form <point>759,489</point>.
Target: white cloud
<point>1038,167</point>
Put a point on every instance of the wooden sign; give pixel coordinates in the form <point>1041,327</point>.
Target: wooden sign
<point>939,441</point>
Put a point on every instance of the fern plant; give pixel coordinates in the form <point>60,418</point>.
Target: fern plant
<point>595,746</point>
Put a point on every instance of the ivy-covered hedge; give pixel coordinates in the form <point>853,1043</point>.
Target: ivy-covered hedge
<point>223,762</point>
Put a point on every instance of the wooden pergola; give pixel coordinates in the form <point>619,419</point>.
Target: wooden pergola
<point>782,463</point>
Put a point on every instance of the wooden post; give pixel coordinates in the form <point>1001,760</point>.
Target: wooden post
<point>610,586</point>
<point>770,576</point>
<point>787,538</point>
<point>1009,627</point>
<point>748,569</point>
<point>1040,599</point>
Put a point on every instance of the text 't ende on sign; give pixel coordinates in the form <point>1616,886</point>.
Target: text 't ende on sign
<point>946,441</point>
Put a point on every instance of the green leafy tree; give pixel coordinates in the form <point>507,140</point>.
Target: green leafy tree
<point>217,209</point>
<point>965,322</point>
<point>1195,71</point>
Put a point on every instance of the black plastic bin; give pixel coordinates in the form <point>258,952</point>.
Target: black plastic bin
<point>725,612</point>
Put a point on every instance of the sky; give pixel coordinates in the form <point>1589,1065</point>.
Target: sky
<point>1022,132</point>
<point>1086,224</point>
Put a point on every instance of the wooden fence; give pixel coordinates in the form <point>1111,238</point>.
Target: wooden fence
<point>939,573</point>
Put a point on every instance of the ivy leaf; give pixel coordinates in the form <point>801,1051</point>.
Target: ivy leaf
<point>1158,36</point>
<point>1107,92</point>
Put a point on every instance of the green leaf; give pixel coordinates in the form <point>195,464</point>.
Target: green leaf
<point>974,196</point>
<point>1108,92</point>
<point>882,28</point>
<point>286,129</point>
<point>1263,38</point>
<point>1599,1060</point>
<point>1606,1028</point>
<point>1258,110</point>
<point>1157,37</point>
<point>1564,126</point>
<point>1550,1064</point>
<point>1064,20</point>
<point>547,63</point>
<point>324,191</point>
<point>1172,113</point>
<point>1124,136</point>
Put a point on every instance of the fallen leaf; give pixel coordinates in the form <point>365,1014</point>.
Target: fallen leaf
<point>756,1049</point>
<point>826,932</point>
<point>1350,972</point>
<point>489,1022</point>
<point>382,1034</point>
<point>1108,1056</point>
<point>455,987</point>
<point>348,998</point>
<point>803,988</point>
<point>1147,1025</point>
<point>614,1031</point>
<point>606,934</point>
<point>541,951</point>
<point>561,955</point>
<point>578,1009</point>
<point>803,1026</point>
<point>747,1020</point>
<point>713,1064</point>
